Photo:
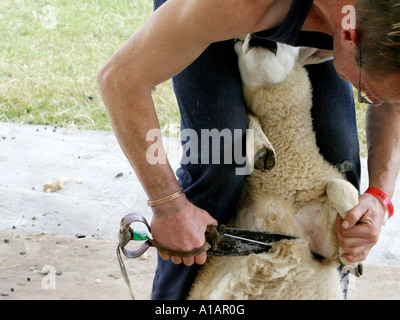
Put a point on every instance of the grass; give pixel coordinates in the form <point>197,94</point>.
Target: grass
<point>50,54</point>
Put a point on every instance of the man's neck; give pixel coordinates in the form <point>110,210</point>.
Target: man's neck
<point>326,16</point>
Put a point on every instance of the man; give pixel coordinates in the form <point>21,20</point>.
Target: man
<point>192,40</point>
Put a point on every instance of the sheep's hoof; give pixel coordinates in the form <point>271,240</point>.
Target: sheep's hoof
<point>359,269</point>
<point>264,159</point>
<point>355,270</point>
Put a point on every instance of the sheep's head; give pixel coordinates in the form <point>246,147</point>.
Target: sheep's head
<point>264,63</point>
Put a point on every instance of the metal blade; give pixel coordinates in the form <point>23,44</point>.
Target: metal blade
<point>242,242</point>
<point>230,246</point>
<point>261,236</point>
<point>247,240</point>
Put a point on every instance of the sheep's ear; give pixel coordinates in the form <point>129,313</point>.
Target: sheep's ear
<point>314,56</point>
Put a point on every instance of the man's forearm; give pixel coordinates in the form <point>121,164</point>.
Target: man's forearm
<point>383,136</point>
<point>132,115</point>
<point>361,228</point>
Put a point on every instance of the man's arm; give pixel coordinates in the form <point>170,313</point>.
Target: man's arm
<point>383,129</point>
<point>174,36</point>
<point>366,219</point>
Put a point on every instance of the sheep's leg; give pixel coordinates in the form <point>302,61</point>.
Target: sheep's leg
<point>343,197</point>
<point>264,158</point>
<point>316,223</point>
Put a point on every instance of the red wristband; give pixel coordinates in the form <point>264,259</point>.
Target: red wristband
<point>383,198</point>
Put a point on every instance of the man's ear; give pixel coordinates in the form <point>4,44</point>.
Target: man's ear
<point>314,56</point>
<point>350,34</point>
<point>349,39</point>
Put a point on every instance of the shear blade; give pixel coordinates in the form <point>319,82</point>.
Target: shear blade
<point>241,242</point>
<point>236,247</point>
<point>261,236</point>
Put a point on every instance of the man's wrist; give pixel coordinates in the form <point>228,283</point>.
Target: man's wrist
<point>170,207</point>
<point>166,199</point>
<point>383,198</point>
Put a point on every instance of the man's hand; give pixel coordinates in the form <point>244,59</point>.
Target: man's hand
<point>183,229</point>
<point>359,232</point>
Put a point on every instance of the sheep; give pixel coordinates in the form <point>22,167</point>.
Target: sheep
<point>296,192</point>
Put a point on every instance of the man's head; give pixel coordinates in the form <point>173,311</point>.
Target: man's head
<point>377,37</point>
<point>378,24</point>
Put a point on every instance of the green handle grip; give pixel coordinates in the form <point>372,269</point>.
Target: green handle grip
<point>140,235</point>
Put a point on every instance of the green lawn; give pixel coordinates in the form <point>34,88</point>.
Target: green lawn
<point>50,52</point>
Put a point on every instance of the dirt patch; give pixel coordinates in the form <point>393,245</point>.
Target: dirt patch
<point>43,267</point>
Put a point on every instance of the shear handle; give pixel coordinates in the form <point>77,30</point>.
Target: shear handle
<point>126,235</point>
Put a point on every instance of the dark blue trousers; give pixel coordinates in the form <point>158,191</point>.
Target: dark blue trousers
<point>209,94</point>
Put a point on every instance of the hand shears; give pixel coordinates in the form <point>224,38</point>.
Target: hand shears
<point>220,241</point>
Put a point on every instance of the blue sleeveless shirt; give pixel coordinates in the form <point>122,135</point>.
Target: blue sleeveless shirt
<point>290,30</point>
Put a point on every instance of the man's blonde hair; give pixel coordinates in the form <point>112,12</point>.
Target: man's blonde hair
<point>378,24</point>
